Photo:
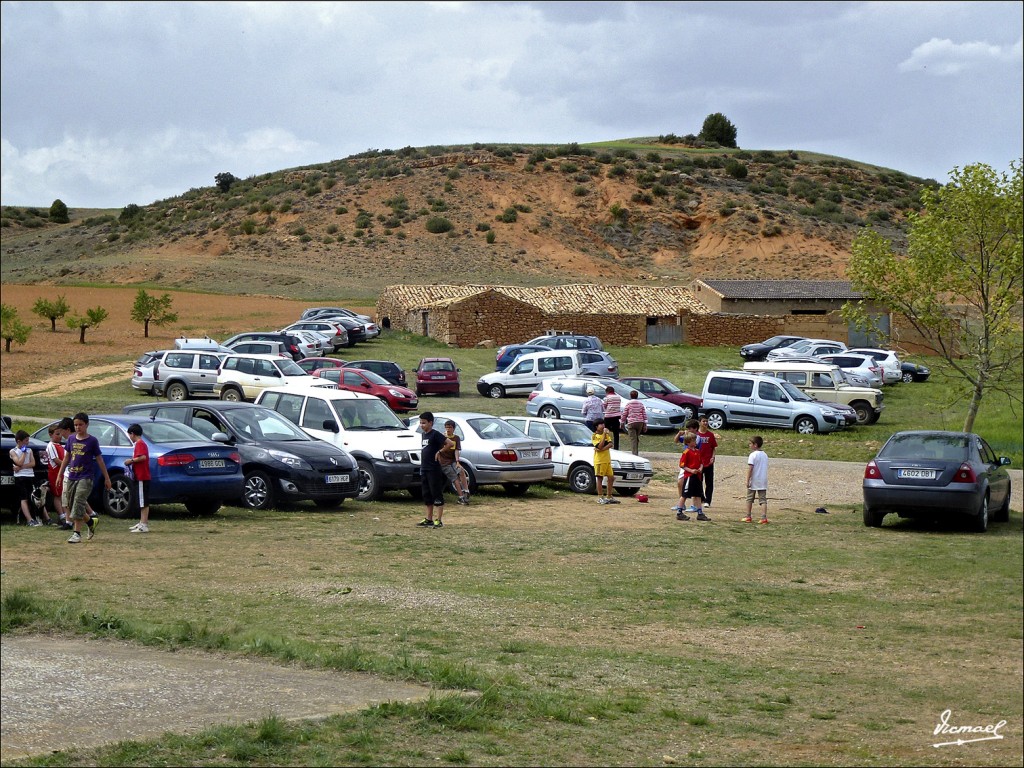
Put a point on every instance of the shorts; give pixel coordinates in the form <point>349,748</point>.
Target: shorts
<point>23,485</point>
<point>603,469</point>
<point>692,487</point>
<point>762,496</point>
<point>142,493</point>
<point>432,486</point>
<point>75,498</point>
<point>451,472</point>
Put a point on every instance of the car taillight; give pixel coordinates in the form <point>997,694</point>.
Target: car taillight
<point>532,395</point>
<point>505,454</point>
<point>175,459</point>
<point>965,474</point>
<point>292,348</point>
<point>871,471</point>
<point>235,457</point>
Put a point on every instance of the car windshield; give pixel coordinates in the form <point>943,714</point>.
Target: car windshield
<point>793,392</point>
<point>375,378</point>
<point>290,368</point>
<point>774,341</point>
<point>370,414</point>
<point>263,424</point>
<point>951,447</point>
<point>799,346</point>
<point>623,390</point>
<point>573,434</point>
<point>171,432</point>
<point>437,365</point>
<point>493,428</point>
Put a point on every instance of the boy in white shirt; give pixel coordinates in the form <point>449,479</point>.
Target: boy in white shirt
<point>757,480</point>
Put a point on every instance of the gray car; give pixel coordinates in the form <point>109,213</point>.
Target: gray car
<point>563,398</point>
<point>181,374</point>
<point>496,453</point>
<point>142,371</point>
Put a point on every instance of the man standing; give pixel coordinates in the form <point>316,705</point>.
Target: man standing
<point>593,409</point>
<point>81,457</point>
<point>612,414</point>
<point>634,415</point>
<point>431,474</point>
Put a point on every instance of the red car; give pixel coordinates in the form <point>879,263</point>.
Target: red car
<point>399,399</point>
<point>663,389</point>
<point>311,364</point>
<point>437,376</point>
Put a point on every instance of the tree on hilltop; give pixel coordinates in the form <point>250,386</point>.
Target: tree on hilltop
<point>59,212</point>
<point>717,128</point>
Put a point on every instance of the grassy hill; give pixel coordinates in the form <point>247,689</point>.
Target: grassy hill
<point>625,211</point>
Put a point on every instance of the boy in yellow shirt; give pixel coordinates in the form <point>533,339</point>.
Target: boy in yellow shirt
<point>603,440</point>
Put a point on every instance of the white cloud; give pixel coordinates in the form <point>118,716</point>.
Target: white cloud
<point>942,57</point>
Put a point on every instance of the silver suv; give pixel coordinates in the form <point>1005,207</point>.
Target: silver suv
<point>563,398</point>
<point>567,341</point>
<point>182,374</point>
<point>753,399</point>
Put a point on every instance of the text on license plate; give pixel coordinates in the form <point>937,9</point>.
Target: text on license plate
<point>634,475</point>
<point>7,480</point>
<point>438,378</point>
<point>529,454</point>
<point>211,463</point>
<point>915,474</point>
<point>337,478</point>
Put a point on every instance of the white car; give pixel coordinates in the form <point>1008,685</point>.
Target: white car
<point>243,377</point>
<point>572,450</point>
<point>807,348</point>
<point>892,366</point>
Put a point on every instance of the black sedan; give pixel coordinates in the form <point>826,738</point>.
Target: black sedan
<point>937,474</point>
<point>753,353</point>
<point>280,461</point>
<point>914,372</point>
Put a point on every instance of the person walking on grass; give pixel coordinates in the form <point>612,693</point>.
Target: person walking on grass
<point>66,428</point>
<point>81,458</point>
<point>603,472</point>
<point>757,480</point>
<point>137,468</point>
<point>612,414</point>
<point>24,460</point>
<point>431,475</point>
<point>634,416</point>
<point>707,444</point>
<point>54,456</point>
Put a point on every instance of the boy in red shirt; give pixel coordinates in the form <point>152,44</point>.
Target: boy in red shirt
<point>690,465</point>
<point>138,466</point>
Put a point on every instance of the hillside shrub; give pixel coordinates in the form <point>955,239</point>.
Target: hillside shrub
<point>509,216</point>
<point>483,226</point>
<point>491,237</point>
<point>438,224</point>
<point>580,191</point>
<point>59,212</point>
<point>736,169</point>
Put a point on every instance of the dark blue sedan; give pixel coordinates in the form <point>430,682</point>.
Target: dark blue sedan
<point>185,466</point>
<point>510,352</point>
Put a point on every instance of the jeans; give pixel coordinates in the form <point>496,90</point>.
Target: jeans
<point>634,430</point>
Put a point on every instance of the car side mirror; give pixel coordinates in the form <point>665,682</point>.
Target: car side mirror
<point>330,425</point>
<point>220,437</point>
<point>1004,461</point>
<point>366,385</point>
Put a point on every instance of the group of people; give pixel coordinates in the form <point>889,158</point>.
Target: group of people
<point>439,466</point>
<point>72,458</point>
<point>615,416</point>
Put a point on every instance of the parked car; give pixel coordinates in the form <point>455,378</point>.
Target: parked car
<point>199,344</point>
<point>385,448</point>
<point>496,453</point>
<point>355,328</point>
<point>291,342</point>
<point>888,360</point>
<point>806,348</point>
<point>335,331</point>
<point>567,341</point>
<point>279,461</point>
<point>313,343</point>
<point>862,366</point>
<point>507,354</point>
<point>182,374</point>
<point>937,474</point>
<point>384,368</point>
<point>186,467</point>
<point>563,398</point>
<point>572,452</point>
<point>320,311</point>
<point>399,399</point>
<point>311,364</point>
<point>827,383</point>
<point>760,350</point>
<point>8,496</point>
<point>754,399</point>
<point>663,389</point>
<point>437,376</point>
<point>532,368</point>
<point>242,377</point>
<point>259,348</point>
<point>142,371</point>
<point>914,372</point>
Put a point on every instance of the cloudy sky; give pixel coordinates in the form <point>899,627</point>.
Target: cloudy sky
<point>105,104</point>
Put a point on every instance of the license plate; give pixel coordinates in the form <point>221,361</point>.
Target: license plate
<point>634,475</point>
<point>7,480</point>
<point>437,378</point>
<point>915,474</point>
<point>529,454</point>
<point>337,479</point>
<point>211,463</point>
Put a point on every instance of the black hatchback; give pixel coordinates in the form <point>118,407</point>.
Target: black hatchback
<point>281,463</point>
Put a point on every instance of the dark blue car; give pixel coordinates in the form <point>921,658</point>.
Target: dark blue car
<point>510,352</point>
<point>185,466</point>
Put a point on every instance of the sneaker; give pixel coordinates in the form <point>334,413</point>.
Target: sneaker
<point>602,500</point>
<point>93,522</point>
<point>694,510</point>
<point>707,505</point>
<point>33,523</point>
<point>438,524</point>
<point>461,500</point>
<point>680,515</point>
<point>424,523</point>
<point>702,516</point>
<point>140,528</point>
<point>76,537</point>
<point>763,521</point>
<point>747,520</point>
<point>613,501</point>
<point>677,509</point>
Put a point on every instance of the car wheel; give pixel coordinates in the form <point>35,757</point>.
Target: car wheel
<point>864,412</point>
<point>805,425</point>
<point>119,501</point>
<point>369,486</point>
<point>875,416</point>
<point>873,519</point>
<point>716,419</point>
<point>907,377</point>
<point>258,491</point>
<point>688,412</point>
<point>581,479</point>
<point>980,521</point>
<point>330,503</point>
<point>549,412</point>
<point>177,391</point>
<point>231,395</point>
<point>516,489</point>
<point>203,507</point>
<point>1002,515</point>
<point>496,391</point>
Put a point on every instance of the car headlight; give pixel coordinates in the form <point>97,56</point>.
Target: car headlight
<point>396,457</point>
<point>396,393</point>
<point>289,458</point>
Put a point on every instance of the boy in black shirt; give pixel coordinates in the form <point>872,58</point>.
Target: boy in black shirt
<point>431,476</point>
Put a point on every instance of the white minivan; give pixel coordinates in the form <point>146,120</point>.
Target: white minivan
<point>528,370</point>
<point>385,448</point>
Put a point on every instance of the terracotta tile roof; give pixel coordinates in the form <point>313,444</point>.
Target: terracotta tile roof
<point>782,289</point>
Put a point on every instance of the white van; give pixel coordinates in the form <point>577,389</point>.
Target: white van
<point>385,448</point>
<point>756,399</point>
<point>825,382</point>
<point>528,370</point>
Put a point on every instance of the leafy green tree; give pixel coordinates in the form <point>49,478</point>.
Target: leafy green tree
<point>224,181</point>
<point>129,213</point>
<point>11,327</point>
<point>59,212</point>
<point>959,284</point>
<point>152,309</point>
<point>90,319</point>
<point>51,310</point>
<point>717,128</point>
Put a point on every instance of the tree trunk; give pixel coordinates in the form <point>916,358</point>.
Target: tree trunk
<point>972,409</point>
<point>53,324</point>
<point>81,335</point>
<point>146,329</point>
<point>7,345</point>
